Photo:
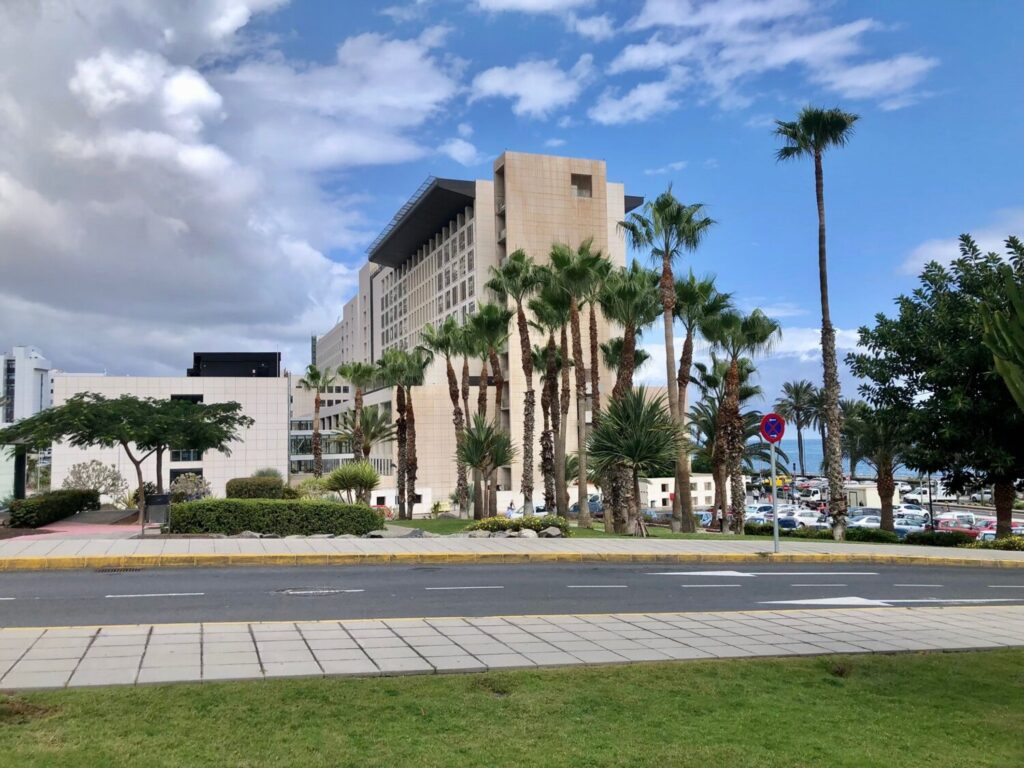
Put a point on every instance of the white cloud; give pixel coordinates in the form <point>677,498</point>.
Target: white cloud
<point>556,142</point>
<point>641,102</point>
<point>990,237</point>
<point>597,28</point>
<point>678,165</point>
<point>532,6</point>
<point>413,11</point>
<point>461,151</point>
<point>190,197</point>
<point>537,88</point>
<point>465,130</point>
<point>711,163</point>
<point>892,78</point>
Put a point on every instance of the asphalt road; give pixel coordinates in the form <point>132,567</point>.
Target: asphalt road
<point>267,594</point>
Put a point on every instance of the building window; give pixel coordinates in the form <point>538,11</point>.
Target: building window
<point>469,260</point>
<point>188,398</point>
<point>471,283</point>
<point>185,454</point>
<point>344,389</point>
<point>664,487</point>
<point>440,281</point>
<point>462,291</point>
<point>469,235</point>
<point>447,300</point>
<point>582,185</point>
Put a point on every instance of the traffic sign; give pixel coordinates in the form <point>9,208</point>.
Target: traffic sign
<point>773,427</point>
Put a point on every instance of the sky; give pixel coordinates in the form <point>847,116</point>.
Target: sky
<point>179,176</point>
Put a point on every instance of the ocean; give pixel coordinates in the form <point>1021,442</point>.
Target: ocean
<point>814,456</point>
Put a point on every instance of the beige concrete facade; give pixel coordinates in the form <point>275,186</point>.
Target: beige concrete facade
<point>531,203</point>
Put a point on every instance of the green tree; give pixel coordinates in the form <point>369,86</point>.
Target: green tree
<point>698,304</point>
<point>517,279</point>
<point>612,355</point>
<point>94,475</point>
<point>317,382</point>
<point>813,133</point>
<point>629,297</point>
<point>667,228</point>
<point>485,447</point>
<point>444,340</point>
<point>1004,327</point>
<point>490,326</point>
<point>854,412</point>
<point>360,376</point>
<point>930,368</point>
<point>356,479</point>
<point>638,434</point>
<point>376,427</point>
<point>877,436</point>
<point>795,406</point>
<point>392,370</point>
<point>541,357</point>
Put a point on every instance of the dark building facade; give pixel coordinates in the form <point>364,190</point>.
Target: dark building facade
<point>236,365</point>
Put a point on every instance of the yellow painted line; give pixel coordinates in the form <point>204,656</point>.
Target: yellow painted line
<point>312,559</point>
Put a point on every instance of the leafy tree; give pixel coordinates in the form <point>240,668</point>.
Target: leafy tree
<point>105,479</point>
<point>854,412</point>
<point>929,367</point>
<point>317,382</point>
<point>517,279</point>
<point>404,370</point>
<point>629,297</point>
<point>636,433</point>
<point>1004,327</point>
<point>547,444</point>
<point>795,407</point>
<point>813,133</point>
<point>667,227</point>
<point>485,447</point>
<point>356,479</point>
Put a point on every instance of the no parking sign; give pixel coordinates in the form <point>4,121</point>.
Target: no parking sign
<point>773,427</point>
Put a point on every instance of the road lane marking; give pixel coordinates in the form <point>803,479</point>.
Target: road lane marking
<point>8,598</point>
<point>708,586</point>
<point>990,586</point>
<point>930,586</point>
<point>701,573</point>
<point>596,586</point>
<point>319,591</point>
<point>446,588</point>
<point>750,574</point>
<point>817,585</point>
<point>161,594</point>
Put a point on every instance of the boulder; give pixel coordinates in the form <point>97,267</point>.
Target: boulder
<point>413,533</point>
<point>528,533</point>
<point>321,536</point>
<point>246,535</point>
<point>551,533</point>
<point>378,534</point>
<point>477,535</point>
<point>347,536</point>
<point>270,536</point>
<point>503,535</point>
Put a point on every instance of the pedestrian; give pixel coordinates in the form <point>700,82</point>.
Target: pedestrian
<point>511,511</point>
<point>757,495</point>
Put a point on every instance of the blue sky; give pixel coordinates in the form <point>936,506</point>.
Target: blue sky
<point>237,158</point>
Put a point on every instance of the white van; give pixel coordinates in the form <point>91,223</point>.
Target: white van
<point>922,495</point>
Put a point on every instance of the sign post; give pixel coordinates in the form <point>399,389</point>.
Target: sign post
<point>773,427</point>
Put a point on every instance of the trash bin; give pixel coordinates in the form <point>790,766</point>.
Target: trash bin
<point>158,507</point>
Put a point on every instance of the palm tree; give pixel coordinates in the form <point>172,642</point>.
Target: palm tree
<point>602,269</point>
<point>612,354</point>
<point>392,369</point>
<point>416,363</point>
<point>374,427</point>
<point>876,435</point>
<point>668,227</point>
<point>816,420</point>
<point>698,303</point>
<point>485,447</point>
<point>629,297</point>
<point>738,336</point>
<point>317,382</point>
<point>638,434</point>
<point>813,132</point>
<point>854,411</point>
<point>547,446</point>
<point>360,376</point>
<point>445,340</point>
<point>795,406</point>
<point>490,326</point>
<point>575,272</point>
<point>517,279</point>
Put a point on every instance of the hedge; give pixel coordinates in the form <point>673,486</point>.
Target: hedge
<point>939,538</point>
<point>1013,543</point>
<point>254,488</point>
<point>871,534</point>
<point>284,517</point>
<point>531,522</point>
<point>765,529</point>
<point>47,508</point>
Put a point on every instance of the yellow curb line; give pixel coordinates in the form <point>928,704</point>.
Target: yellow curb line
<point>215,560</point>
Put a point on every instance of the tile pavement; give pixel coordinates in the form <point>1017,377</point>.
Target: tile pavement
<point>162,653</point>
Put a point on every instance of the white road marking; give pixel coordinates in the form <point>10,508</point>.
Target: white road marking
<point>700,573</point>
<point>817,585</point>
<point>446,588</point>
<point>320,591</point>
<point>8,598</point>
<point>596,586</point>
<point>990,586</point>
<point>162,594</point>
<point>828,601</point>
<point>936,586</point>
<point>702,586</point>
<point>749,574</point>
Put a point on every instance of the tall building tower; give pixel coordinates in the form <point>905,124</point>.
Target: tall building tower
<point>25,387</point>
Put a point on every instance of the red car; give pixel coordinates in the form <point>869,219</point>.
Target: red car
<point>955,526</point>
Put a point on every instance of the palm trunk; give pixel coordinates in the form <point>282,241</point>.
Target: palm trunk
<point>730,441</point>
<point>481,398</point>
<point>800,446</point>
<point>318,457</point>
<point>529,406</point>
<point>548,406</point>
<point>357,424</point>
<point>465,388</point>
<point>686,519</point>
<point>1003,496</point>
<point>737,491</point>
<point>402,455</point>
<point>461,484</point>
<point>160,470</point>
<point>561,485</point>
<point>411,461</point>
<point>499,392</point>
<point>595,371</point>
<point>722,481</point>
<point>627,365</point>
<point>833,416</point>
<point>886,490</point>
<point>583,497</point>
<point>478,496</point>
<point>667,288</point>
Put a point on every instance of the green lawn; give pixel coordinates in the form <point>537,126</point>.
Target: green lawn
<point>449,525</point>
<point>440,525</point>
<point>940,710</point>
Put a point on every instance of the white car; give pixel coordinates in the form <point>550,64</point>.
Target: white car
<point>758,509</point>
<point>865,521</point>
<point>806,518</point>
<point>916,509</point>
<point>980,496</point>
<point>902,487</point>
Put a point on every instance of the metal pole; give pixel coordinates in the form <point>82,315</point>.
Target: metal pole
<point>775,504</point>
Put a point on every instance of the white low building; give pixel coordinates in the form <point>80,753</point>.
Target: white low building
<point>264,444</point>
<point>657,492</point>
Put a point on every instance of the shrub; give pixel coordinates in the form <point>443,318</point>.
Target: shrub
<point>254,488</point>
<point>939,538</point>
<point>49,507</point>
<point>313,488</point>
<point>268,472</point>
<point>871,534</point>
<point>1013,543</point>
<point>290,493</point>
<point>189,487</point>
<point>97,476</point>
<point>284,517</point>
<point>532,522</point>
<point>765,529</point>
<point>131,500</point>
<point>354,478</point>
<point>758,529</point>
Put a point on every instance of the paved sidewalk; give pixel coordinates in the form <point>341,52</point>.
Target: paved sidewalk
<point>126,655</point>
<point>56,552</point>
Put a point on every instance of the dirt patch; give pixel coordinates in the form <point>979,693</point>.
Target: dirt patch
<point>15,711</point>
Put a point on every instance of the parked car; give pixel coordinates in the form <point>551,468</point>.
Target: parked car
<point>803,518</point>
<point>979,496</point>
<point>903,487</point>
<point>956,526</point>
<point>596,509</point>
<point>989,534</point>
<point>704,517</point>
<point>758,509</point>
<point>906,507</point>
<point>864,521</point>
<point>908,525</point>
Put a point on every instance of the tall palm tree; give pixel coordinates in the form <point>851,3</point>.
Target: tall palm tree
<point>392,369</point>
<point>444,340</point>
<point>698,302</point>
<point>877,436</point>
<point>317,382</point>
<point>485,447</point>
<point>738,336</point>
<point>575,272</point>
<point>360,376</point>
<point>547,444</point>
<point>668,227</point>
<point>816,420</point>
<point>416,363</point>
<point>638,434</point>
<point>854,412</point>
<point>375,427</point>
<point>629,297</point>
<point>602,269</point>
<point>612,354</point>
<point>490,326</point>
<point>516,279</point>
<point>795,406</point>
<point>813,132</point>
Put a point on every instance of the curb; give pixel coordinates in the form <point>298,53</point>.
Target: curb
<point>489,558</point>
